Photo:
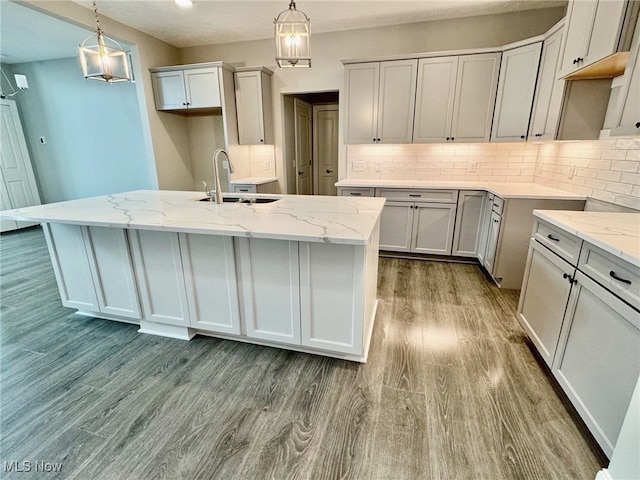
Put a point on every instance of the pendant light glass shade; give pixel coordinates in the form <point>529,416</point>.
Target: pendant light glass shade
<point>293,32</point>
<point>102,58</point>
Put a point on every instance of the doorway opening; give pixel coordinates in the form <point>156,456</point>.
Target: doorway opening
<point>311,143</point>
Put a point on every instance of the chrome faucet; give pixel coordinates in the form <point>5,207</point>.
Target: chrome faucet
<point>217,192</point>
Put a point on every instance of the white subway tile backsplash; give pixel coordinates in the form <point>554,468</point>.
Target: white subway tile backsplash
<point>606,169</point>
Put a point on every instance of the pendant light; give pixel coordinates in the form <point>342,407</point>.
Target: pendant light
<point>293,31</point>
<point>103,58</point>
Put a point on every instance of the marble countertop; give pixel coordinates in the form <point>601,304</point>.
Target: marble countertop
<point>616,233</point>
<point>502,189</point>
<point>253,180</point>
<point>343,220</point>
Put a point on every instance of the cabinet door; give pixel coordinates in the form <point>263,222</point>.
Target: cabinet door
<point>211,284</point>
<point>581,15</point>
<point>112,269</point>
<point>71,266</point>
<point>598,359</point>
<point>160,276</point>
<point>396,101</point>
<point>593,32</point>
<point>203,88</point>
<point>476,85</point>
<point>549,91</point>
<point>468,221</point>
<point>168,89</point>
<point>271,295</point>
<point>361,87</point>
<point>543,298</point>
<point>492,242</point>
<point>250,109</point>
<point>628,108</point>
<point>395,226</point>
<point>485,225</point>
<point>433,228</point>
<point>518,73</point>
<point>330,298</point>
<point>434,99</point>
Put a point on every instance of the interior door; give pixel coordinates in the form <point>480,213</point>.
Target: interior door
<point>325,149</point>
<point>19,184</point>
<point>303,138</point>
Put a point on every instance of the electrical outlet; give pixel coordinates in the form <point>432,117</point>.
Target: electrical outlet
<point>378,166</point>
<point>473,167</point>
<point>357,166</point>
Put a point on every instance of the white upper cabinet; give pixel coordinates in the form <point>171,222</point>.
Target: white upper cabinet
<point>380,99</point>
<point>455,98</point>
<point>182,89</point>
<point>549,91</point>
<point>476,85</point>
<point>435,95</point>
<point>253,101</point>
<point>628,107</point>
<point>396,101</point>
<point>516,87</point>
<point>594,30</point>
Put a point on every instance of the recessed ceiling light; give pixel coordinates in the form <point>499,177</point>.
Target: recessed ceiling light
<point>184,3</point>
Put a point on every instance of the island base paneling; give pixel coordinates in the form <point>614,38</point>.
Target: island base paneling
<point>315,297</point>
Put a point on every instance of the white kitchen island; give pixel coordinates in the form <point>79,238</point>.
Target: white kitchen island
<point>299,273</point>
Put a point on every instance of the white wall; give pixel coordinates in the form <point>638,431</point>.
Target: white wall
<point>93,132</point>
<point>328,49</point>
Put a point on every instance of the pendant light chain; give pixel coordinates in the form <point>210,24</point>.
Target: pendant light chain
<point>95,10</point>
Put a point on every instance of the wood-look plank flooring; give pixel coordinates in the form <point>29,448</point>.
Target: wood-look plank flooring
<point>451,391</point>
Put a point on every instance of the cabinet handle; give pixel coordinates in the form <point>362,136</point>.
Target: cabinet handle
<point>569,278</point>
<point>415,195</point>
<point>495,221</point>
<point>551,237</point>
<point>243,189</point>
<point>613,275</point>
<point>355,194</point>
<point>637,124</point>
<point>575,60</point>
<point>538,134</point>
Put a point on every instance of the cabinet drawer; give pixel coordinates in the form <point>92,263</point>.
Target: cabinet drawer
<point>498,205</point>
<point>356,192</point>
<point>622,278</point>
<point>558,241</point>
<point>245,189</point>
<point>412,195</point>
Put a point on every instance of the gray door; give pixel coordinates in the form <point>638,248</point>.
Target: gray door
<point>325,149</point>
<point>302,114</point>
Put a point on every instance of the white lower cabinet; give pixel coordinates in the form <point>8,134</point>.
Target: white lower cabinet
<point>93,269</point>
<point>493,235</point>
<point>270,285</point>
<point>395,226</point>
<point>210,280</point>
<point>598,360</point>
<point>158,267</point>
<point>586,333</point>
<point>545,290</point>
<point>433,228</point>
<point>468,221</point>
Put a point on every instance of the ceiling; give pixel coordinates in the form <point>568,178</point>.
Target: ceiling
<point>213,21</point>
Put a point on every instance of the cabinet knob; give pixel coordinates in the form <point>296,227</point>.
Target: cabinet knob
<point>373,139</point>
<point>522,136</point>
<point>575,60</point>
<point>453,138</point>
<point>378,139</point>
<point>184,103</point>
<point>538,134</point>
<point>262,140</point>
<point>637,124</point>
<point>448,138</point>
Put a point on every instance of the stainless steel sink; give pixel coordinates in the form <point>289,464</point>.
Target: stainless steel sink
<point>241,200</point>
